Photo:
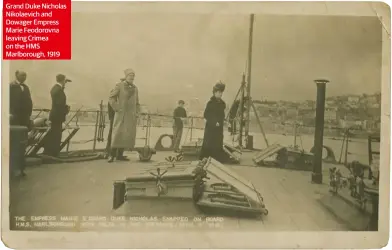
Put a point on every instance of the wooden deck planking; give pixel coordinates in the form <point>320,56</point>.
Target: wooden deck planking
<point>86,188</point>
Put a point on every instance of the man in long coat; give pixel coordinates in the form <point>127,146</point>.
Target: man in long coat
<point>124,99</point>
<point>119,151</point>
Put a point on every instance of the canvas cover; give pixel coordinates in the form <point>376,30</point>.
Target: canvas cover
<point>177,170</point>
<point>225,189</point>
<point>163,180</point>
<point>267,154</point>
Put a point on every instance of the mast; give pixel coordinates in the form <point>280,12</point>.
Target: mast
<point>241,107</point>
<point>248,89</point>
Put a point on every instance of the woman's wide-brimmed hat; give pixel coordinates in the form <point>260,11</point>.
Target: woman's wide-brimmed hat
<point>220,86</point>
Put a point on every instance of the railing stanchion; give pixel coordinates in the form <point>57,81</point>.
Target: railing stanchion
<point>96,130</point>
<point>191,129</point>
<point>347,141</point>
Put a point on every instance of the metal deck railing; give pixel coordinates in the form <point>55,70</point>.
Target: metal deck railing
<point>98,119</point>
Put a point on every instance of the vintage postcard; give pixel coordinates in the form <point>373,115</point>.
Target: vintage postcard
<point>195,124</point>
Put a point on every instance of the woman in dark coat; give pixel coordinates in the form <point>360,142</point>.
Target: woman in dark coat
<point>214,114</point>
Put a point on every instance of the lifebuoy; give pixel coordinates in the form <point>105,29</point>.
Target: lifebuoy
<point>160,147</point>
<point>330,158</point>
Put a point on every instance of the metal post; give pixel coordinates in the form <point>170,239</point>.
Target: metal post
<point>146,126</point>
<point>296,125</point>
<point>370,149</point>
<point>96,130</point>
<point>190,139</point>
<point>295,134</point>
<point>346,153</point>
<point>148,130</point>
<point>317,176</point>
<point>341,149</point>
<point>242,110</point>
<point>101,123</point>
<point>249,99</point>
<point>260,126</point>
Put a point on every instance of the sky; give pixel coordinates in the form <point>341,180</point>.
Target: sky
<point>181,56</point>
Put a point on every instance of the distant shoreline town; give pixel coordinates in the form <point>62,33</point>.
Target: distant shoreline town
<point>361,113</point>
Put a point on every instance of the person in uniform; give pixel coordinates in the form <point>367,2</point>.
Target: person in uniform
<point>179,116</point>
<point>21,108</point>
<point>21,104</point>
<point>57,116</point>
<point>124,99</point>
<point>214,114</point>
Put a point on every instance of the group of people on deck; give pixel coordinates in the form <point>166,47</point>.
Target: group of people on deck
<point>123,109</point>
<point>214,115</point>
<point>21,108</point>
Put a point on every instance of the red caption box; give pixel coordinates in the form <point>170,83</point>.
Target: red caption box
<point>37,29</point>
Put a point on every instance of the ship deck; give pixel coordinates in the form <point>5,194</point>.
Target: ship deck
<point>86,188</point>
